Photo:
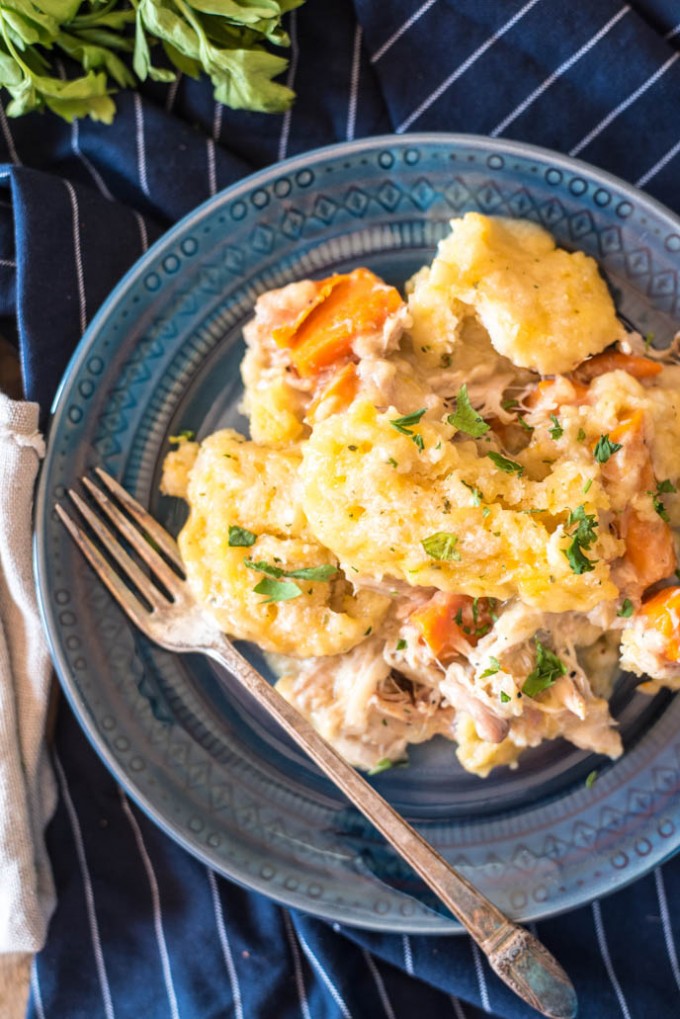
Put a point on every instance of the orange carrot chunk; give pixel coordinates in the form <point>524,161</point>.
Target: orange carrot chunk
<point>662,613</point>
<point>337,392</point>
<point>558,392</point>
<point>450,623</point>
<point>346,306</point>
<point>649,548</point>
<point>615,360</point>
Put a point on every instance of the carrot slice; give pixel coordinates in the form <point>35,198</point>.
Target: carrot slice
<point>649,548</point>
<point>345,307</point>
<point>450,623</point>
<point>616,360</point>
<point>662,613</point>
<point>338,393</point>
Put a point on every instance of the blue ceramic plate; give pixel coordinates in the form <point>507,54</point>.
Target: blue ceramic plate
<point>163,355</point>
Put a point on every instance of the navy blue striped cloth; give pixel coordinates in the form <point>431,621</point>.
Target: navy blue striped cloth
<point>141,929</point>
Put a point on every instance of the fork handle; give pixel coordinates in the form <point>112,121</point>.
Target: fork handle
<point>515,954</point>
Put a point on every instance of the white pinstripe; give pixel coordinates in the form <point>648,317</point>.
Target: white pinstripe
<point>380,984</point>
<point>562,69</point>
<point>606,958</point>
<point>172,92</point>
<point>96,176</point>
<point>606,121</point>
<point>143,236</point>
<point>408,954</point>
<point>9,140</point>
<point>89,893</point>
<point>290,79</point>
<point>297,965</point>
<point>10,263</point>
<point>141,146</point>
<point>155,905</point>
<point>458,1008</point>
<point>462,68</point>
<point>389,43</point>
<point>652,172</point>
<point>666,924</point>
<point>35,987</point>
<point>80,275</point>
<point>481,977</point>
<point>332,989</point>
<point>673,32</point>
<point>226,947</point>
<point>354,85</point>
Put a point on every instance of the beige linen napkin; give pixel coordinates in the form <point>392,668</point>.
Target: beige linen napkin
<point>27,788</point>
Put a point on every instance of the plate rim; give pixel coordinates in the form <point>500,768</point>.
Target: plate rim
<point>166,240</point>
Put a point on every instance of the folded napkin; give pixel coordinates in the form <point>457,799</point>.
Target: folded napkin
<point>27,792</point>
<point>140,927</point>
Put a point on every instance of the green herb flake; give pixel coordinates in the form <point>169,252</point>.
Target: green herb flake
<point>586,487</point>
<point>557,431</point>
<point>402,644</point>
<point>505,697</point>
<point>384,765</point>
<point>494,667</point>
<point>546,672</point>
<point>591,778</point>
<point>626,609</point>
<point>240,537</point>
<point>509,404</point>
<point>508,466</point>
<point>277,590</point>
<point>466,419</point>
<point>649,340</point>
<point>442,546</point>
<point>392,462</point>
<point>583,537</point>
<point>405,426</point>
<point>184,436</point>
<point>662,487</point>
<point>477,497</point>
<point>605,448</point>
<point>527,428</point>
<point>580,435</point>
<point>321,573</point>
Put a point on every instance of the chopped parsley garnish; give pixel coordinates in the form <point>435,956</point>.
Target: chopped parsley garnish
<point>591,779</point>
<point>324,572</point>
<point>525,426</point>
<point>580,435</point>
<point>626,609</point>
<point>392,462</point>
<point>384,765</point>
<point>649,340</point>
<point>510,404</point>
<point>505,697</point>
<point>557,431</point>
<point>466,419</point>
<point>586,487</point>
<point>583,537</point>
<point>476,494</point>
<point>277,590</point>
<point>405,426</point>
<point>241,537</point>
<point>547,670</point>
<point>442,545</point>
<point>605,448</point>
<point>494,667</point>
<point>659,505</point>
<point>185,435</point>
<point>402,644</point>
<point>503,464</point>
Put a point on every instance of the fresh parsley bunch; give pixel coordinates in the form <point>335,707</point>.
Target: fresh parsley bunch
<point>114,43</point>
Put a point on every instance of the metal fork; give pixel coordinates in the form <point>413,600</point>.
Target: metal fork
<point>168,614</point>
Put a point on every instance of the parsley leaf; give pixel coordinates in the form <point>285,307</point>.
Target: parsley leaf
<point>605,448</point>
<point>241,537</point>
<point>547,670</point>
<point>626,609</point>
<point>442,545</point>
<point>503,464</point>
<point>476,494</point>
<point>277,590</point>
<point>505,698</point>
<point>324,572</point>
<point>402,644</point>
<point>466,419</point>
<point>557,431</point>
<point>405,426</point>
<point>580,435</point>
<point>582,538</point>
<point>521,421</point>
<point>185,435</point>
<point>591,778</point>
<point>494,667</point>
<point>383,765</point>
<point>659,505</point>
